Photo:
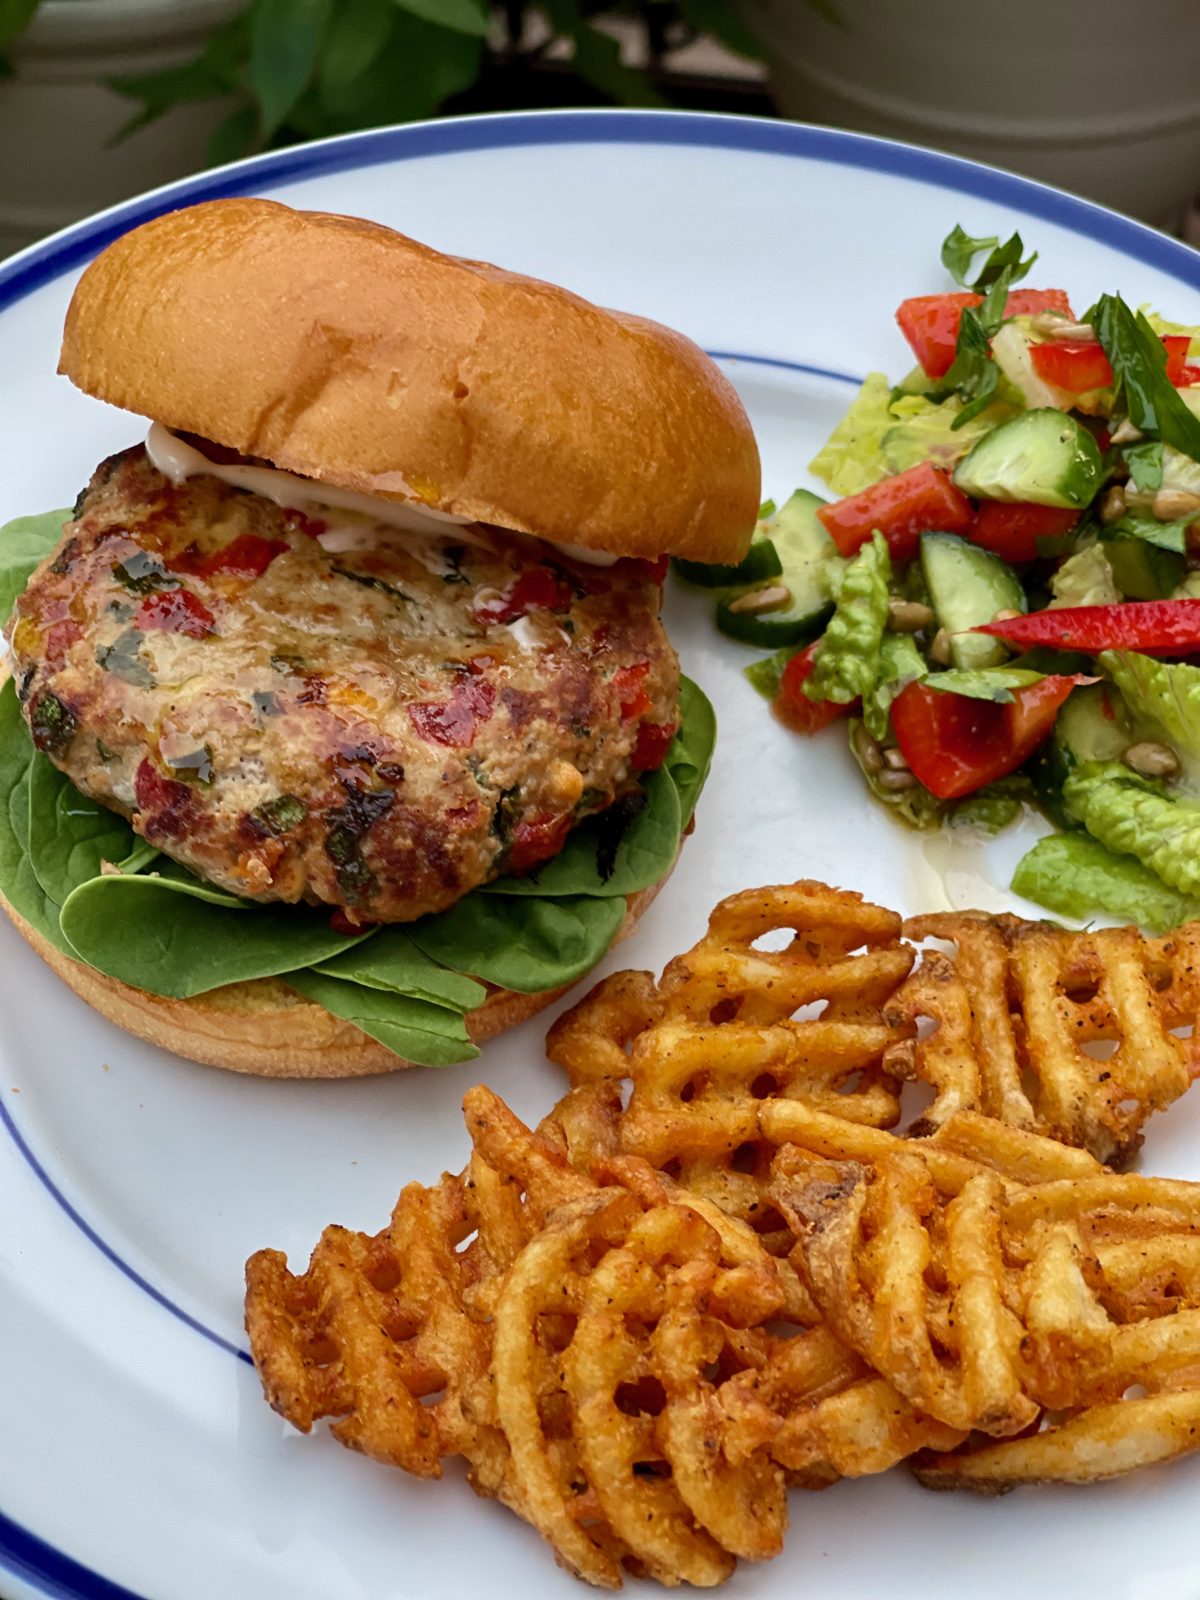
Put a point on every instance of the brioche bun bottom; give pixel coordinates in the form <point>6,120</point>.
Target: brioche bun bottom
<point>266,1029</point>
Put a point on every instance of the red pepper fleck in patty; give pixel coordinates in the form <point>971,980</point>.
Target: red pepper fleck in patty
<point>537,840</point>
<point>454,722</point>
<point>653,742</point>
<point>175,611</point>
<point>629,686</point>
<point>248,555</point>
<point>537,589</point>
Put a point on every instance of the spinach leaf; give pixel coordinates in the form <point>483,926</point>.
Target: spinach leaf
<point>24,545</point>
<point>175,936</point>
<point>70,836</point>
<point>1139,363</point>
<point>523,944</point>
<point>429,1035</point>
<point>959,250</point>
<point>391,961</point>
<point>17,881</point>
<point>650,843</point>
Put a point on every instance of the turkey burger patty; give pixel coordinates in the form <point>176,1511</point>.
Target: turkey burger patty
<point>316,706</point>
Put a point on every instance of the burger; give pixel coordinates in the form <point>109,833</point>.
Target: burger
<point>342,730</point>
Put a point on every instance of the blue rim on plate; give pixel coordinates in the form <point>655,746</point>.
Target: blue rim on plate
<point>50,1571</point>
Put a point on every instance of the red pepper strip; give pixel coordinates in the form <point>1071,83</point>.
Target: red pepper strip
<point>1012,529</point>
<point>1172,626</point>
<point>956,745</point>
<point>930,321</point>
<point>175,611</point>
<point>902,509</point>
<point>537,840</point>
<point>1177,345</point>
<point>793,707</point>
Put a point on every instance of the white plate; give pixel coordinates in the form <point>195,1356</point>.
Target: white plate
<point>136,1454</point>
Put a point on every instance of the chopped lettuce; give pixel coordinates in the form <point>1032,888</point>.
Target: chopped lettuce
<point>766,674</point>
<point>1084,579</point>
<point>1135,816</point>
<point>852,457</point>
<point>900,663</point>
<point>1188,588</point>
<point>848,661</point>
<point>924,431</point>
<point>1074,875</point>
<point>1166,694</point>
<point>1161,326</point>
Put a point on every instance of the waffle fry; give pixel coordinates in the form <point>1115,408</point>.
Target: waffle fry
<point>1068,1035</point>
<point>639,1324</point>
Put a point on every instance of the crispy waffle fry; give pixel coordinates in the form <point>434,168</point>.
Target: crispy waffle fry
<point>1064,1034</point>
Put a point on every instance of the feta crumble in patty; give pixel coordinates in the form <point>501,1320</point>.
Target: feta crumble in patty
<point>305,707</point>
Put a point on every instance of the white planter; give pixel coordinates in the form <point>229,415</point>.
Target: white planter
<point>57,117</point>
<point>1102,97</point>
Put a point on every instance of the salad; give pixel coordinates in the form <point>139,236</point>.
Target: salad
<point>999,601</point>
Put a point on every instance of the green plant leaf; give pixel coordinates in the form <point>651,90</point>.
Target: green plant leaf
<point>219,69</point>
<point>986,683</point>
<point>390,960</point>
<point>460,16</point>
<point>1145,463</point>
<point>524,944</point>
<point>24,545</point>
<point>959,250</point>
<point>1139,363</point>
<point>358,33</point>
<point>1133,525</point>
<point>233,138</point>
<point>597,60</point>
<point>17,879</point>
<point>650,843</point>
<point>724,23</point>
<point>178,937</point>
<point>70,836</point>
<point>285,42</point>
<point>15,17</point>
<point>429,1035</point>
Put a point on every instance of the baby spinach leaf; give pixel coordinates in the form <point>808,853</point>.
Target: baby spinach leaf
<point>18,883</point>
<point>650,843</point>
<point>390,960</point>
<point>70,836</point>
<point>175,936</point>
<point>525,944</point>
<point>24,545</point>
<point>429,1035</point>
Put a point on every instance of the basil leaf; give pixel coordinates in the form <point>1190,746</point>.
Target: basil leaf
<point>1139,363</point>
<point>1145,463</point>
<point>390,960</point>
<point>1167,535</point>
<point>285,41</point>
<point>988,683</point>
<point>959,250</point>
<point>461,16</point>
<point>175,936</point>
<point>973,372</point>
<point>428,1035</point>
<point>70,835</point>
<point>524,944</point>
<point>24,545</point>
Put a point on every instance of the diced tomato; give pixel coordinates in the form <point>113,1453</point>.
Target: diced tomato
<point>1012,529</point>
<point>956,745</point>
<point>1155,626</point>
<point>248,554</point>
<point>59,640</point>
<point>902,508</point>
<point>537,840</point>
<point>175,611</point>
<point>454,722</point>
<point>537,589</point>
<point>1077,365</point>
<point>629,686</point>
<point>930,322</point>
<point>169,807</point>
<point>653,742</point>
<point>793,707</point>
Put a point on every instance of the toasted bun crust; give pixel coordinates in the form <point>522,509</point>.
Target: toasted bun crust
<point>339,349</point>
<point>264,1027</point>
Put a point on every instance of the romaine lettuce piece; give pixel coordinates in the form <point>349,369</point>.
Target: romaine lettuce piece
<point>900,663</point>
<point>924,431</point>
<point>1166,694</point>
<point>1135,816</point>
<point>1161,326</point>
<point>1085,579</point>
<point>1076,876</point>
<point>848,661</point>
<point>852,457</point>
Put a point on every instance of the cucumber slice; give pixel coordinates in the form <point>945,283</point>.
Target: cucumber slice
<point>760,562</point>
<point>1144,571</point>
<point>809,568</point>
<point>1093,725</point>
<point>967,586</point>
<point>1042,456</point>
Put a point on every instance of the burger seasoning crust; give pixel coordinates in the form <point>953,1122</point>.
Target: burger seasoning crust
<point>331,710</point>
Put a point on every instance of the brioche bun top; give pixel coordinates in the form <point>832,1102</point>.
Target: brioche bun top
<point>340,350</point>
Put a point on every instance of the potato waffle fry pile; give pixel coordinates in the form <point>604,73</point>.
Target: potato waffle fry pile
<point>715,1272</point>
